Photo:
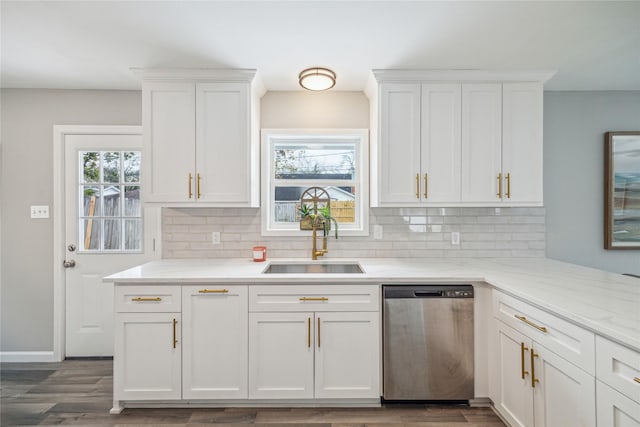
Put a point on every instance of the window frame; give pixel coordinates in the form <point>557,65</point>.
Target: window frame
<point>360,137</point>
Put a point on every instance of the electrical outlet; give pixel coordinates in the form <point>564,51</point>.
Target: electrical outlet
<point>455,237</point>
<point>215,237</point>
<point>377,232</point>
<point>40,212</point>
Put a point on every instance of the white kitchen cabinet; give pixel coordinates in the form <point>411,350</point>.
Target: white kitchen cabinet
<point>481,141</point>
<point>325,352</point>
<point>147,356</point>
<point>281,350</point>
<point>420,147</point>
<point>215,342</point>
<point>614,409</point>
<point>468,138</point>
<point>347,355</point>
<point>200,138</point>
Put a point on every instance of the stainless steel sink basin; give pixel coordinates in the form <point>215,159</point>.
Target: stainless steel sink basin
<point>313,268</point>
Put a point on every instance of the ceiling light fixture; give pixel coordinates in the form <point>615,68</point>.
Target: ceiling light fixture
<point>317,78</point>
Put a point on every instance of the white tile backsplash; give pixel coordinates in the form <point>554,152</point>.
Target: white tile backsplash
<point>408,233</point>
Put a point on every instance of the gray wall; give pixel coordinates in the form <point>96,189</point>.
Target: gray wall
<point>574,127</point>
<point>28,117</point>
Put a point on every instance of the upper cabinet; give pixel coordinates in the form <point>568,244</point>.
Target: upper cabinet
<point>463,137</point>
<point>201,137</point>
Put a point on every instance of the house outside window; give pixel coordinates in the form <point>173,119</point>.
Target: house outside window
<point>294,160</point>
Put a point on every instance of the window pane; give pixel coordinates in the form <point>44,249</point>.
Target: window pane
<point>132,166</point>
<point>91,200</point>
<point>314,161</point>
<point>132,201</point>
<point>112,235</point>
<point>90,164</point>
<point>287,203</point>
<point>132,234</point>
<point>111,196</point>
<point>90,234</point>
<point>111,167</point>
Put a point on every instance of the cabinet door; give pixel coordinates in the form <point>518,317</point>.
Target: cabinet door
<point>215,348</point>
<point>168,119</point>
<point>147,356</point>
<point>281,362</point>
<point>440,136</point>
<point>522,142</point>
<point>513,390</point>
<point>615,409</point>
<point>564,394</point>
<point>223,157</point>
<point>481,141</point>
<point>347,355</point>
<point>399,159</point>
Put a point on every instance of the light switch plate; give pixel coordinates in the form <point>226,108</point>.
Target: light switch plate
<point>455,237</point>
<point>40,211</point>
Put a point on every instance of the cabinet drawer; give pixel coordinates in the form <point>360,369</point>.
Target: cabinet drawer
<point>314,298</point>
<point>147,299</point>
<point>570,341</point>
<point>619,367</point>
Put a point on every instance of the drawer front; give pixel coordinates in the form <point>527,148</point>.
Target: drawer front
<point>147,299</point>
<point>570,341</point>
<point>619,367</point>
<point>314,298</point>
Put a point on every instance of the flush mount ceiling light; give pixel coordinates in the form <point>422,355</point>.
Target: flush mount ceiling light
<point>317,78</point>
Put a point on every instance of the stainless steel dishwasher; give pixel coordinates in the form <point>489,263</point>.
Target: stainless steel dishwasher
<point>428,342</point>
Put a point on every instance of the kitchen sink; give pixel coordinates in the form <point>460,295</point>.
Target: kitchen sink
<point>313,268</point>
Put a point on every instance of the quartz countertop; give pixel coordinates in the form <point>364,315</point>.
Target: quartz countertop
<point>605,303</point>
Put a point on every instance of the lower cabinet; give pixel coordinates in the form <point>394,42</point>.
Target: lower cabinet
<point>536,387</point>
<point>615,409</point>
<point>147,363</point>
<point>214,348</point>
<point>306,355</point>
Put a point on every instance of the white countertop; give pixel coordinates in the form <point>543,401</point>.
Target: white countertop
<point>606,303</point>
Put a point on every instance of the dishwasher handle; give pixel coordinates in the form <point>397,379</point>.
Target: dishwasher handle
<point>428,294</point>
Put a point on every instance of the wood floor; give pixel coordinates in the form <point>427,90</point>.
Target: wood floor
<point>78,392</point>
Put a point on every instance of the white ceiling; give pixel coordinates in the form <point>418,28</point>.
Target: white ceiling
<point>93,44</point>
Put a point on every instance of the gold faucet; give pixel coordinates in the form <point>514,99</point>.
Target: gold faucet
<point>315,253</point>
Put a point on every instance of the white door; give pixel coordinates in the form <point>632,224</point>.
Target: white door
<point>150,364</point>
<point>399,143</point>
<point>215,347</point>
<point>441,144</point>
<point>347,355</point>
<point>281,348</point>
<point>106,230</point>
<point>564,394</point>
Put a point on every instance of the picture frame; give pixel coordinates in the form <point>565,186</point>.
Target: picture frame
<point>622,190</point>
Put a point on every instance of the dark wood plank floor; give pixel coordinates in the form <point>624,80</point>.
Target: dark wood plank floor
<point>78,392</point>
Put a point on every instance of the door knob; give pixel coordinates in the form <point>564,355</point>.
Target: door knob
<point>69,264</point>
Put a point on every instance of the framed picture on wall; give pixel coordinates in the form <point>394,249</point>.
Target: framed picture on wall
<point>622,190</point>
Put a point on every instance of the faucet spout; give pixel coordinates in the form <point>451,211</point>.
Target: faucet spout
<point>315,253</point>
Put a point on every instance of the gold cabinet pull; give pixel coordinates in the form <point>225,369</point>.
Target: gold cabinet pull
<point>534,380</point>
<point>499,178</point>
<point>314,299</point>
<point>190,182</point>
<point>140,299</point>
<point>175,339</point>
<point>318,332</point>
<point>309,332</point>
<point>636,379</point>
<point>198,185</point>
<point>426,182</point>
<point>417,186</point>
<point>523,349</point>
<point>530,323</point>
<point>213,291</point>
<point>508,185</point>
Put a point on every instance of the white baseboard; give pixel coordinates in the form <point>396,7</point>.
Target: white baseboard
<point>27,356</point>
